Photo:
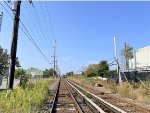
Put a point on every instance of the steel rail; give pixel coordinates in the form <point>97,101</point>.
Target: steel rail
<point>108,105</point>
<point>75,101</point>
<point>56,95</point>
<point>97,108</point>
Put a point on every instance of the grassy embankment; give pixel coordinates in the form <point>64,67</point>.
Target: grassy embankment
<point>25,100</point>
<point>132,90</point>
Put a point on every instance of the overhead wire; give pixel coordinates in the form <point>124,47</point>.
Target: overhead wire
<point>26,33</point>
<point>21,23</point>
<point>46,24</point>
<point>50,21</point>
<point>6,10</point>
<point>35,27</point>
<point>39,27</point>
<point>39,20</point>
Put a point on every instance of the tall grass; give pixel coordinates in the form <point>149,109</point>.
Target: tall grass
<point>129,90</point>
<point>25,100</point>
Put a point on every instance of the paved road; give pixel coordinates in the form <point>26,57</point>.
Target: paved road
<point>3,86</point>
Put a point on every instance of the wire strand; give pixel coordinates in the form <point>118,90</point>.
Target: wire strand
<point>27,34</point>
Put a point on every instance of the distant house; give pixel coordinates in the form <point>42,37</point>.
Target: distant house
<point>34,72</point>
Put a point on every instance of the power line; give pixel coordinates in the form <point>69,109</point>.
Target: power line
<point>27,34</point>
<point>33,22</point>
<point>50,21</point>
<point>37,17</point>
<point>6,10</point>
<point>44,18</point>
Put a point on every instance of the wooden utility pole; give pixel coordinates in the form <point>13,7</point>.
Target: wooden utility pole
<point>56,69</point>
<point>14,43</point>
<point>117,63</point>
<point>54,73</point>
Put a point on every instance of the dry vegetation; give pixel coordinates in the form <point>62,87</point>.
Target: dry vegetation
<point>129,90</point>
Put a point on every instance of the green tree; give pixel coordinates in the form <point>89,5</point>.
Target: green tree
<point>4,60</point>
<point>17,62</point>
<point>103,65</point>
<point>127,54</point>
<point>69,73</point>
<point>91,70</point>
<point>82,73</point>
<point>19,72</point>
<point>103,68</point>
<point>48,72</point>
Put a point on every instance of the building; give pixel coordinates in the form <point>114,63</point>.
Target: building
<point>34,72</point>
<point>141,59</point>
<point>139,66</point>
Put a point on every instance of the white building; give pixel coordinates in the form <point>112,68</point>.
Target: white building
<point>141,58</point>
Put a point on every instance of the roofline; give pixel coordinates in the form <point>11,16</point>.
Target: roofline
<point>142,48</point>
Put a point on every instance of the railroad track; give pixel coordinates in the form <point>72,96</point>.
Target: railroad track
<point>107,99</point>
<point>64,101</point>
<point>69,98</point>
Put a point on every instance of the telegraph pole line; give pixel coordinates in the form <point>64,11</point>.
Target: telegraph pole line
<point>14,43</point>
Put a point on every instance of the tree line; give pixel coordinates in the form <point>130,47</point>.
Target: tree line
<point>102,68</point>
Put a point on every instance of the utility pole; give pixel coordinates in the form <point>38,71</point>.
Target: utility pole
<point>54,73</point>
<point>1,16</point>
<point>117,63</point>
<point>134,56</point>
<point>59,72</point>
<point>56,69</point>
<point>14,43</point>
<point>125,55</point>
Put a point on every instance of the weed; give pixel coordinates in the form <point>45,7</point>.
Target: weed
<point>25,99</point>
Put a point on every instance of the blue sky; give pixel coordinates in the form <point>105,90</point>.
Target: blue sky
<point>84,31</point>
